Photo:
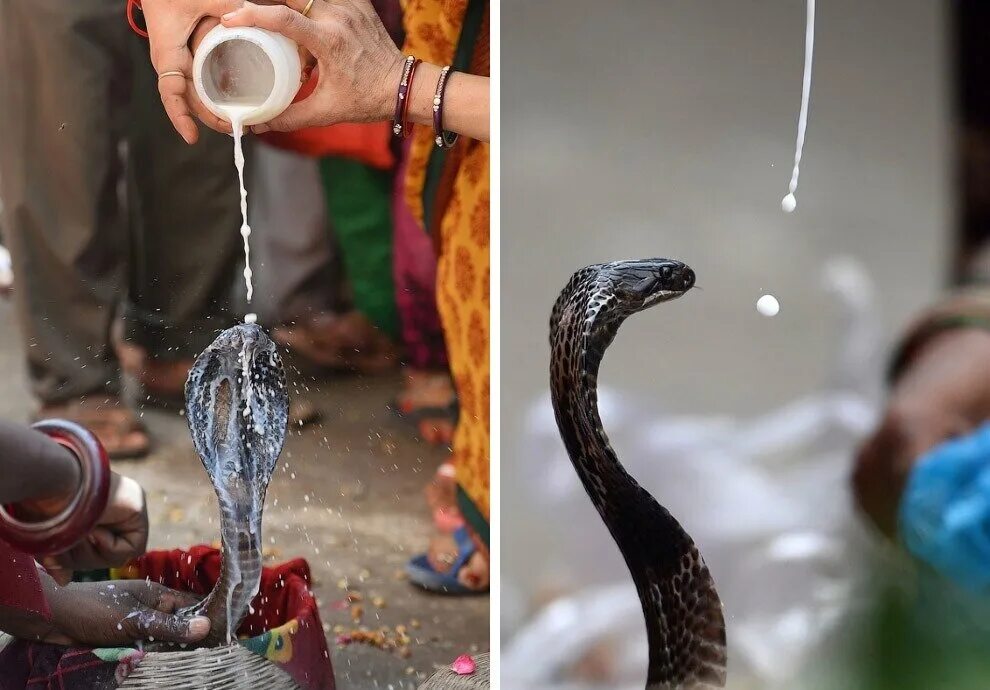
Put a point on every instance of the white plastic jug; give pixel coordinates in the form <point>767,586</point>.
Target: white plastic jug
<point>246,72</point>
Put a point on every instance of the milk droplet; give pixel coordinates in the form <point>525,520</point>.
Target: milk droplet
<point>768,305</point>
<point>251,318</point>
<point>788,203</point>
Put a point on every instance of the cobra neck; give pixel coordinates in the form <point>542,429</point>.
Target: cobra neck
<point>575,400</point>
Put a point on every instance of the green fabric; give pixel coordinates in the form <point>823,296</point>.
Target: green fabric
<point>360,205</point>
<point>472,515</point>
<point>473,17</point>
<point>913,631</point>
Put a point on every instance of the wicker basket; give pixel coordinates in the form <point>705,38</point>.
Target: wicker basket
<point>219,668</point>
<point>446,679</point>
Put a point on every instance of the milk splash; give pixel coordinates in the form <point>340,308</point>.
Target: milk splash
<point>789,202</point>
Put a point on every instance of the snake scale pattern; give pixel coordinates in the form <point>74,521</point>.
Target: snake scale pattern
<point>684,620</point>
<point>237,408</point>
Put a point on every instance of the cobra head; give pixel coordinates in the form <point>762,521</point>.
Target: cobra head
<point>642,283</point>
<point>237,406</point>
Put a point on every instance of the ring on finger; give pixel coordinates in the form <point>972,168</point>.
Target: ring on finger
<point>172,73</point>
<point>307,8</point>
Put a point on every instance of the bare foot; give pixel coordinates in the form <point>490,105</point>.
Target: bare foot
<point>425,389</point>
<point>441,497</point>
<point>428,399</point>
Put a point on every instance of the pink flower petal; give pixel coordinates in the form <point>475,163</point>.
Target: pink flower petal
<point>463,665</point>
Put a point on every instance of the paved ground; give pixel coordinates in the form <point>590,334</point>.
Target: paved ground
<point>347,497</point>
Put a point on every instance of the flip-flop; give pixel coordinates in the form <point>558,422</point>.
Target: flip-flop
<point>423,575</point>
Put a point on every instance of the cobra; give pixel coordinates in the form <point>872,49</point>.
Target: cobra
<point>684,620</point>
<point>237,409</point>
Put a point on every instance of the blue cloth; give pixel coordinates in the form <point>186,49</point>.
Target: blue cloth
<point>945,510</point>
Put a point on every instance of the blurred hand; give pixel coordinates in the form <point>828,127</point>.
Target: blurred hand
<point>359,63</point>
<point>943,392</point>
<point>120,534</point>
<point>171,27</point>
<point>108,614</point>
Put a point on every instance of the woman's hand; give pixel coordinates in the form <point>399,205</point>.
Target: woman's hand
<point>359,63</point>
<point>108,614</point>
<point>941,393</point>
<point>171,26</point>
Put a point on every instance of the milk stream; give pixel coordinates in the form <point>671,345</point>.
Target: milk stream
<point>235,112</point>
<point>789,202</point>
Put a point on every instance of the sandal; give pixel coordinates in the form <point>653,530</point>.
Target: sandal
<point>117,427</point>
<point>418,404</point>
<point>347,342</point>
<point>422,573</point>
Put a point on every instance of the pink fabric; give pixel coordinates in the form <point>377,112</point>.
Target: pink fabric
<point>414,267</point>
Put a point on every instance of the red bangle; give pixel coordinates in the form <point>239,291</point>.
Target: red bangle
<point>400,96</point>
<point>77,519</point>
<point>406,127</point>
<point>131,4</point>
<point>444,140</point>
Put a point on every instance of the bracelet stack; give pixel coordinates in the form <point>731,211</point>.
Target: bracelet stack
<point>401,127</point>
<point>443,139</point>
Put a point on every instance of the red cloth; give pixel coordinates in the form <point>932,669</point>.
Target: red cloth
<point>21,585</point>
<point>283,597</point>
<point>283,593</point>
<point>366,143</point>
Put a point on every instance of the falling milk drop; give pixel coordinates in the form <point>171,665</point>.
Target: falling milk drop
<point>789,202</point>
<point>768,305</point>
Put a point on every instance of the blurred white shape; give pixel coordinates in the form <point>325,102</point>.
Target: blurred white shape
<point>765,499</point>
<point>574,623</point>
<point>6,269</point>
<point>859,355</point>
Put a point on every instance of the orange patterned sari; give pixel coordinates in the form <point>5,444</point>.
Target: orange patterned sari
<point>457,215</point>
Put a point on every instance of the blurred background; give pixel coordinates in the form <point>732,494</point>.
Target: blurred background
<point>647,129</point>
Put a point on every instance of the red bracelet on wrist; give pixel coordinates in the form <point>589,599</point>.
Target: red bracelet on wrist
<point>131,4</point>
<point>77,519</point>
<point>400,122</point>
<point>406,127</point>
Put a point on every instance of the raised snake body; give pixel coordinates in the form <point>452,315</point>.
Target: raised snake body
<point>237,409</point>
<point>684,620</point>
